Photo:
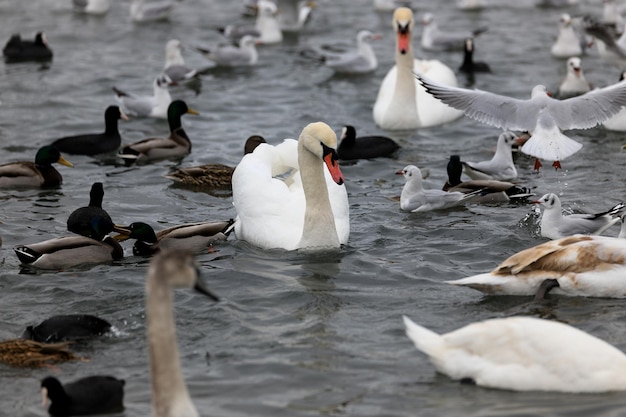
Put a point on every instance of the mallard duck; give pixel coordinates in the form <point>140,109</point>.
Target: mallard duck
<point>30,354</point>
<point>67,327</point>
<point>41,173</point>
<point>70,251</point>
<point>79,221</point>
<point>215,176</point>
<point>87,396</point>
<point>95,143</point>
<point>194,237</point>
<point>17,49</point>
<point>168,270</point>
<point>365,147</point>
<point>176,145</point>
<point>491,191</point>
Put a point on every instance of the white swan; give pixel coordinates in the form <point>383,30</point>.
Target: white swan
<point>588,266</point>
<point>524,354</point>
<point>308,209</point>
<point>167,271</point>
<point>402,103</point>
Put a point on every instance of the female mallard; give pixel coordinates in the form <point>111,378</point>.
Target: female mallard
<point>87,396</point>
<point>80,219</point>
<point>194,237</point>
<point>176,145</point>
<point>30,354</point>
<point>214,176</point>
<point>95,143</point>
<point>70,251</point>
<point>168,270</point>
<point>41,173</point>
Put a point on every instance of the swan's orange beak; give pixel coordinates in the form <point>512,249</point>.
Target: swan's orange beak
<point>331,159</point>
<point>404,41</point>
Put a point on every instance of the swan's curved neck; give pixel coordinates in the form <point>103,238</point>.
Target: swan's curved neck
<point>169,391</point>
<point>404,94</point>
<point>319,222</point>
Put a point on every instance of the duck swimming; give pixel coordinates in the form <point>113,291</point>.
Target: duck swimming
<point>41,173</point>
<point>95,143</point>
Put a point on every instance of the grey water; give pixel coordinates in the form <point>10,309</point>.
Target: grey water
<point>294,334</point>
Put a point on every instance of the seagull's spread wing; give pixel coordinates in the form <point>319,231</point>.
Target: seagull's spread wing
<point>489,108</point>
<point>590,109</point>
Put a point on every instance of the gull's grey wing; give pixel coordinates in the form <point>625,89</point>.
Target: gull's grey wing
<point>350,61</point>
<point>231,55</point>
<point>493,109</point>
<point>589,109</point>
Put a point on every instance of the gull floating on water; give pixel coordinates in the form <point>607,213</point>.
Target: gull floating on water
<point>266,27</point>
<point>233,56</point>
<point>361,60</point>
<point>434,39</point>
<point>175,70</point>
<point>500,167</point>
<point>416,199</point>
<point>541,115</point>
<point>154,10</point>
<point>568,42</point>
<point>556,226</point>
<point>146,106</point>
<point>574,83</point>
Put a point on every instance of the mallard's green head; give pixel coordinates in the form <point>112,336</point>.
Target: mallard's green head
<point>137,230</point>
<point>48,155</point>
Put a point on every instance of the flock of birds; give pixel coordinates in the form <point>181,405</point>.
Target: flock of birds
<point>292,196</point>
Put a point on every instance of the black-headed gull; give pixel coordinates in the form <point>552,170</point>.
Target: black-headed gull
<point>294,14</point>
<point>232,56</point>
<point>523,354</point>
<point>416,199</point>
<point>541,115</point>
<point>141,11</point>
<point>146,106</point>
<point>556,226</point>
<point>586,266</point>
<point>361,60</point>
<point>574,83</point>
<point>500,167</point>
<point>568,42</point>
<point>492,191</point>
<point>96,7</point>
<point>364,147</point>
<point>266,27</point>
<point>434,39</point>
<point>469,65</point>
<point>175,70</point>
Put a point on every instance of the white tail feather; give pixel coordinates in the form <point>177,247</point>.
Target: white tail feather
<point>550,145</point>
<point>425,340</point>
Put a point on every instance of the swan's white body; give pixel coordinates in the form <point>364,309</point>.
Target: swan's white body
<point>402,103</point>
<point>305,210</point>
<point>588,266</point>
<point>524,354</point>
